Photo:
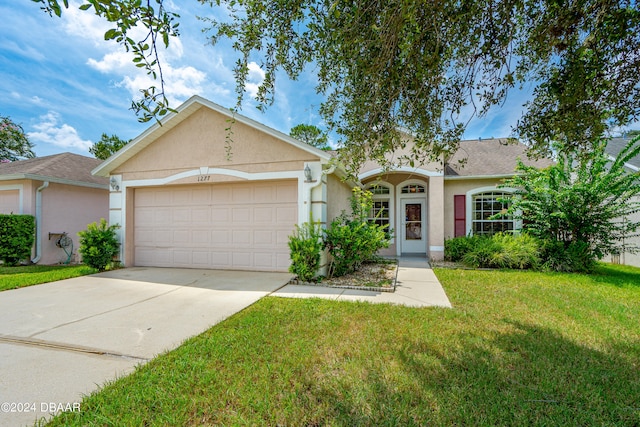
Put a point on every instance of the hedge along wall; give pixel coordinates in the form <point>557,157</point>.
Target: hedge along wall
<point>17,234</point>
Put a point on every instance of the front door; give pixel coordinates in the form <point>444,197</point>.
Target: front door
<point>414,230</point>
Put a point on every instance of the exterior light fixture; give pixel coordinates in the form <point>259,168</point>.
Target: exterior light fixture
<point>114,184</point>
<point>307,173</point>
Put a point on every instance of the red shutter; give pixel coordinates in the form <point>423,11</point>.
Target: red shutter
<point>459,213</point>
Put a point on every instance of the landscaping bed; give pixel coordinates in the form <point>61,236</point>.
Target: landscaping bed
<point>374,276</point>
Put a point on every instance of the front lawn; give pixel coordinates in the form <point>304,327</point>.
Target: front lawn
<point>519,348</point>
<point>19,277</point>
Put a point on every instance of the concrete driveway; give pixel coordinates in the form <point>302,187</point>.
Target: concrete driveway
<point>61,340</point>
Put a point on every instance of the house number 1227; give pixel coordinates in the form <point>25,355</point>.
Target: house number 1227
<point>203,178</point>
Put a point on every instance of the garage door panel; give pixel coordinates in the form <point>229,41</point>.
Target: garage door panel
<point>162,216</point>
<point>242,214</point>
<point>200,215</point>
<point>263,215</point>
<point>263,237</point>
<point>287,193</point>
<point>232,226</point>
<point>181,215</point>
<point>286,215</point>
<point>182,257</point>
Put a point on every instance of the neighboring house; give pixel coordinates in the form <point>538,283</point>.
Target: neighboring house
<point>614,147</point>
<point>212,189</point>
<point>61,193</point>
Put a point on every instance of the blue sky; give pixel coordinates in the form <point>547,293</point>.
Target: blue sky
<point>66,86</point>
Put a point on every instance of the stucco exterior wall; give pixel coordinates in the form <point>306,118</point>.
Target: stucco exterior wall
<point>338,195</point>
<point>454,187</point>
<point>26,189</point>
<point>67,208</point>
<point>201,141</point>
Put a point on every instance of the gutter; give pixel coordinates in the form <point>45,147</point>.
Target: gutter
<point>39,222</point>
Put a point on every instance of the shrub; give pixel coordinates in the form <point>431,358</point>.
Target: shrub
<point>567,257</point>
<point>519,251</point>
<point>99,244</point>
<point>502,250</point>
<point>17,234</point>
<point>456,248</point>
<point>352,240</point>
<point>305,245</point>
<point>481,253</point>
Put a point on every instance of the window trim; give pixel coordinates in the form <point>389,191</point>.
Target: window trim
<point>517,224</point>
<point>390,197</point>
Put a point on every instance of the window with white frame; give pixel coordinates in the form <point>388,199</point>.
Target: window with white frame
<point>485,208</point>
<point>381,212</point>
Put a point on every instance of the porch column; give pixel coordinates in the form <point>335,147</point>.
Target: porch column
<point>436,218</point>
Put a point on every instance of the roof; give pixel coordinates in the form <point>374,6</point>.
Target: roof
<point>616,145</point>
<point>63,168</point>
<point>490,158</point>
<point>181,113</point>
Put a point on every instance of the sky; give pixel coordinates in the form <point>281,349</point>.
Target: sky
<point>66,86</point>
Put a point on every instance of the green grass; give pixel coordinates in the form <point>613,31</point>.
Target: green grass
<point>19,277</point>
<point>519,348</point>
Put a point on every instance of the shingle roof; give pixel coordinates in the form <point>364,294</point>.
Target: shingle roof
<point>65,167</point>
<point>616,145</point>
<point>490,157</point>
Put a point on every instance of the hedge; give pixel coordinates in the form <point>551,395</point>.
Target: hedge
<point>17,234</point>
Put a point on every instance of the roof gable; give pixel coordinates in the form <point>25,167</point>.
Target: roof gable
<point>65,168</point>
<point>616,145</point>
<point>490,157</point>
<point>183,112</point>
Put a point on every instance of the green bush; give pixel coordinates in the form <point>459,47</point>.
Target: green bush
<point>305,246</point>
<point>17,234</point>
<point>352,240</point>
<point>519,251</point>
<point>502,250</point>
<point>456,248</point>
<point>482,253</point>
<point>567,257</point>
<point>99,244</point>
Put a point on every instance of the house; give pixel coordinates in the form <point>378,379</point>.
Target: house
<point>61,193</point>
<point>614,147</point>
<point>209,188</point>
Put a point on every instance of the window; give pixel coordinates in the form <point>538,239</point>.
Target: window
<point>381,210</point>
<point>485,206</point>
<point>412,188</point>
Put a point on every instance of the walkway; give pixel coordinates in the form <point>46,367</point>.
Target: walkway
<point>417,286</point>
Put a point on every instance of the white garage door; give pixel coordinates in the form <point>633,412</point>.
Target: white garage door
<point>10,202</point>
<point>242,226</point>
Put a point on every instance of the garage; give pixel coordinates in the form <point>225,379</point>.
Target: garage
<point>239,226</point>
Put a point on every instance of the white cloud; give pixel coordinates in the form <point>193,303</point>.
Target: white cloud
<point>48,131</point>
<point>255,77</point>
<point>180,83</point>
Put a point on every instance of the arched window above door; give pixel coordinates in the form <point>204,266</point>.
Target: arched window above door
<point>412,188</point>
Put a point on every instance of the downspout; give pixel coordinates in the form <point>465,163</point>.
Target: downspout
<point>39,222</point>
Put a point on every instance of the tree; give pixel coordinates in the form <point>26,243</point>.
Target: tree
<point>107,146</point>
<point>14,144</point>
<point>126,15</point>
<point>584,201</point>
<point>388,68</point>
<point>311,135</point>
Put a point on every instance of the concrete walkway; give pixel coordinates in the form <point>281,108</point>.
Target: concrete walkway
<point>417,286</point>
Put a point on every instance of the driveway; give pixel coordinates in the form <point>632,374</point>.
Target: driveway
<point>61,340</point>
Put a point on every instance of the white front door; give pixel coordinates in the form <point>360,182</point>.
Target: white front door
<point>413,229</point>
